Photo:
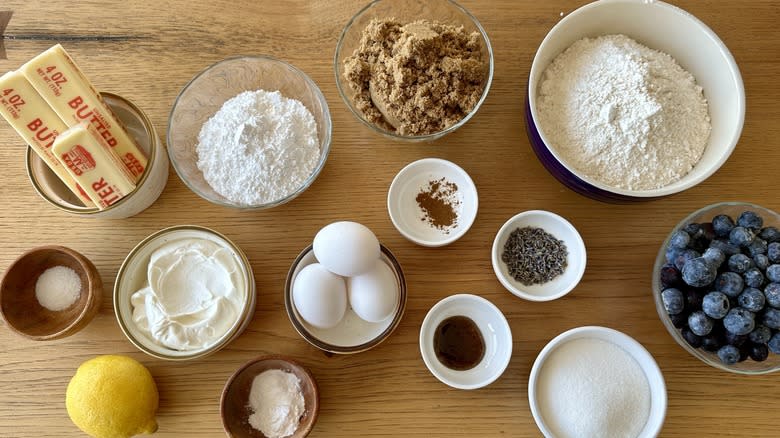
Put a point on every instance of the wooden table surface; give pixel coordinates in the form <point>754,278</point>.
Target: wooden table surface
<point>146,50</point>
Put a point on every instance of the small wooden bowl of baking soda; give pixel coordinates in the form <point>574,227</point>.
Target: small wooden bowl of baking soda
<point>50,292</point>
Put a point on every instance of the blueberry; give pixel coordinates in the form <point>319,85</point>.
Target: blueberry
<point>741,236</point>
<point>761,261</point>
<point>683,256</point>
<point>671,254</point>
<point>772,294</point>
<point>691,338</point>
<point>754,278</point>
<point>673,300</point>
<point>770,234</point>
<point>692,229</point>
<point>735,340</point>
<point>713,341</point>
<point>774,343</point>
<point>722,225</point>
<point>760,335</point>
<point>698,273</point>
<point>679,320</point>
<point>730,284</point>
<point>680,239</point>
<point>744,351</point>
<point>699,323</point>
<point>758,246</point>
<point>771,318</point>
<point>759,352</point>
<point>670,276</point>
<point>725,246</point>
<point>773,252</point>
<point>740,263</point>
<point>739,321</point>
<point>751,299</point>
<point>693,299</point>
<point>715,305</point>
<point>751,221</point>
<point>772,273</point>
<point>714,256</point>
<point>728,354</point>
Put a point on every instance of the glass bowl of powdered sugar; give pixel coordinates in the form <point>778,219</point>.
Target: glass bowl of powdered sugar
<point>249,132</point>
<point>631,100</point>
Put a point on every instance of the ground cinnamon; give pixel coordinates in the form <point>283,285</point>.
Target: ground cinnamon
<point>439,203</point>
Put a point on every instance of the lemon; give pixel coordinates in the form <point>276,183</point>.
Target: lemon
<point>112,397</point>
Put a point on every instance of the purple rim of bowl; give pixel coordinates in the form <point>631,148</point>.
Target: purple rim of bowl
<point>563,174</point>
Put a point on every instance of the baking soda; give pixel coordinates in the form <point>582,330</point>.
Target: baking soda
<point>623,114</point>
<point>593,388</point>
<point>276,402</point>
<point>57,288</point>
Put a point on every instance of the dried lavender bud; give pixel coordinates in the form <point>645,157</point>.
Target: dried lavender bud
<point>534,256</point>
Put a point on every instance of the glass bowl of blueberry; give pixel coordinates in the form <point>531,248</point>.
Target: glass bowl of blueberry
<point>716,285</point>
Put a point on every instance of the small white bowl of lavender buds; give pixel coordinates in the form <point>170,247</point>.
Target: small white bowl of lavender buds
<point>538,256</point>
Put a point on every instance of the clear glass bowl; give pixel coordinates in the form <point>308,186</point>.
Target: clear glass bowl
<point>205,94</point>
<point>703,215</point>
<point>445,11</point>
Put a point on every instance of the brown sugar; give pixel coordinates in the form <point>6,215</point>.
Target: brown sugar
<point>425,76</point>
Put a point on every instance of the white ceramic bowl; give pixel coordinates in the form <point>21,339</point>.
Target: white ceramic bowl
<point>655,379</point>
<point>352,334</point>
<point>562,230</point>
<point>495,332</point>
<point>408,217</point>
<point>663,27</point>
<point>132,276</point>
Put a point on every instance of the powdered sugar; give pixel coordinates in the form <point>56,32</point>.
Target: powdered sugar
<point>258,148</point>
<point>623,114</point>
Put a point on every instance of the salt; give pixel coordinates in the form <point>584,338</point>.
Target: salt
<point>593,388</point>
<point>57,288</point>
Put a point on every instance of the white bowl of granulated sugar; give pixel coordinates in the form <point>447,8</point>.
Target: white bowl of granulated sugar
<point>596,381</point>
<point>631,100</point>
<point>249,132</point>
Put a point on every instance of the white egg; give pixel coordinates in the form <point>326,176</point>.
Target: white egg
<point>319,296</point>
<point>374,295</point>
<point>346,248</point>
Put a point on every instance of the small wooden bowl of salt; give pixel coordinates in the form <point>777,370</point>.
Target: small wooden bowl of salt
<point>50,292</point>
<point>270,397</point>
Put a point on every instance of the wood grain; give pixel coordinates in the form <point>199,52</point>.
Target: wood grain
<point>147,50</point>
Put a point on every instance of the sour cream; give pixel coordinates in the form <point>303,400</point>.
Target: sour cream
<point>194,295</point>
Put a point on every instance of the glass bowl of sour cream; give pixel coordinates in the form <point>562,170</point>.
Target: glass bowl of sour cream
<point>183,293</point>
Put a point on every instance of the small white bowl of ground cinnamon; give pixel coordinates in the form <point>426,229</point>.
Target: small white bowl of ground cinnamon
<point>432,202</point>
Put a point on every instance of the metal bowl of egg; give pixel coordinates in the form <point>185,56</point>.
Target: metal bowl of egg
<point>596,381</point>
<point>148,187</point>
<point>183,293</point>
<point>345,293</point>
<point>249,132</point>
<point>633,145</point>
<point>373,98</point>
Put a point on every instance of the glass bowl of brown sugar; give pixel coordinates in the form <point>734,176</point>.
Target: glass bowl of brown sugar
<point>414,70</point>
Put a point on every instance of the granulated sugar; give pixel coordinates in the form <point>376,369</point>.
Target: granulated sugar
<point>593,388</point>
<point>258,148</point>
<point>623,114</point>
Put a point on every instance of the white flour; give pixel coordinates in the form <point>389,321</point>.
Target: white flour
<point>589,388</point>
<point>259,147</point>
<point>276,403</point>
<point>623,114</point>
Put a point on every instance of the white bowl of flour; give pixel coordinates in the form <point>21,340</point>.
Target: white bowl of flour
<point>629,100</point>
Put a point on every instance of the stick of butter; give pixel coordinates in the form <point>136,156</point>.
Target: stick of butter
<point>37,124</point>
<point>59,80</point>
<point>94,166</point>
